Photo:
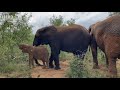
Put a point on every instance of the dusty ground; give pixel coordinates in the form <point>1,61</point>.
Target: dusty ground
<point>38,72</point>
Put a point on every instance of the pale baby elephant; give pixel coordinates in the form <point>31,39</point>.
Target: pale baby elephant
<point>35,54</point>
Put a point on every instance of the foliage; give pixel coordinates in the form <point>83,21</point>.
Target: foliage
<point>77,69</point>
<point>71,21</point>
<point>59,21</point>
<point>114,13</point>
<point>14,29</point>
<point>84,69</point>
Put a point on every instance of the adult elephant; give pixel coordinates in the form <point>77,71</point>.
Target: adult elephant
<point>74,38</point>
<point>106,35</point>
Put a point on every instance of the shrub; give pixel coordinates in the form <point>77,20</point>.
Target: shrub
<point>83,68</point>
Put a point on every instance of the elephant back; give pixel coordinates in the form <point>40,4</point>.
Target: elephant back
<point>111,25</point>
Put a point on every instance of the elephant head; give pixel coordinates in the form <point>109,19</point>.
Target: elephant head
<point>44,35</point>
<point>26,48</point>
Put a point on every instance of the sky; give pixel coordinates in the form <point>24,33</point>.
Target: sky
<point>41,19</point>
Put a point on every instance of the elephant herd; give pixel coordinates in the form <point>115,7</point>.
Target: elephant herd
<point>76,39</point>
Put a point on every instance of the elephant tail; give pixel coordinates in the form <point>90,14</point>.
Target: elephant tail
<point>90,41</point>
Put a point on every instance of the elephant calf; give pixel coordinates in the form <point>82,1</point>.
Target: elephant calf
<point>36,53</point>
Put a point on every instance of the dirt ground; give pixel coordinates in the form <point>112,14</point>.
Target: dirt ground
<point>38,72</point>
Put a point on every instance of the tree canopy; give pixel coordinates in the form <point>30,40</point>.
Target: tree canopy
<point>60,21</point>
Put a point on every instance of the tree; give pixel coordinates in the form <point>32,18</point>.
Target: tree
<point>14,29</point>
<point>114,13</point>
<point>57,21</point>
<point>71,21</point>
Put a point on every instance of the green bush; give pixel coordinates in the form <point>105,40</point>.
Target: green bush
<point>14,31</point>
<point>84,68</point>
<point>18,64</point>
<point>77,69</point>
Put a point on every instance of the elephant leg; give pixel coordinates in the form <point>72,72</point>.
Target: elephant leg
<point>30,60</point>
<point>83,54</point>
<point>79,55</point>
<point>36,61</point>
<point>44,66</point>
<point>47,64</point>
<point>56,60</point>
<point>94,54</point>
<point>51,62</point>
<point>32,63</point>
<point>55,51</point>
<point>112,67</point>
<point>107,63</point>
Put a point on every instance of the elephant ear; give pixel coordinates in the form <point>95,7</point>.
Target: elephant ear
<point>29,49</point>
<point>46,31</point>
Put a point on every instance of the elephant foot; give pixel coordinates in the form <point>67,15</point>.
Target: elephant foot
<point>96,67</point>
<point>57,68</point>
<point>39,65</point>
<point>51,66</point>
<point>47,67</point>
<point>44,67</point>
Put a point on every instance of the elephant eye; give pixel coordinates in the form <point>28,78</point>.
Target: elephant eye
<point>36,35</point>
